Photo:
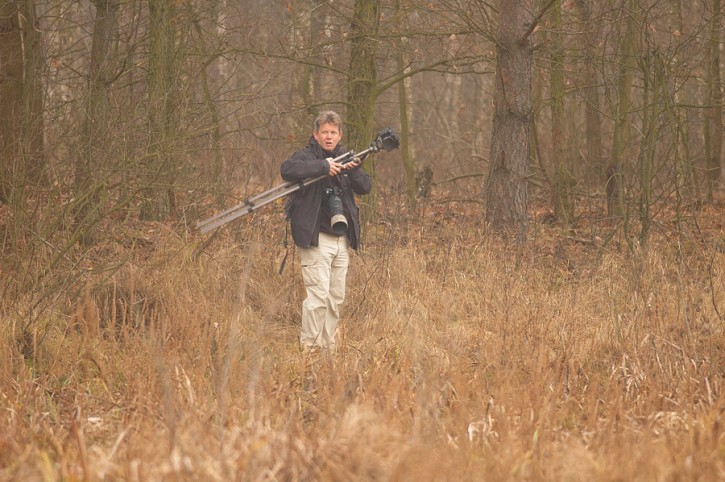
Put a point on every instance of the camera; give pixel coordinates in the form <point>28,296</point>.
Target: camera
<point>386,140</point>
<point>338,222</point>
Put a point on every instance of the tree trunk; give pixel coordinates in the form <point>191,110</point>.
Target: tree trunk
<point>93,166</point>
<point>562,179</point>
<point>362,79</point>
<point>621,136</point>
<point>299,34</point>
<point>212,169</point>
<point>406,148</point>
<point>592,108</point>
<point>686,186</point>
<point>11,95</point>
<point>21,98</point>
<point>33,105</point>
<point>713,115</point>
<point>159,199</point>
<point>506,194</point>
<point>653,80</point>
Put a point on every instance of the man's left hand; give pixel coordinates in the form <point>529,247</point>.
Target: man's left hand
<point>352,164</point>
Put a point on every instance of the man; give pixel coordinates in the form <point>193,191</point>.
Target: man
<point>323,244</point>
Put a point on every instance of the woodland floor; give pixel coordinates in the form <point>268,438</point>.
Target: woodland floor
<point>583,354</point>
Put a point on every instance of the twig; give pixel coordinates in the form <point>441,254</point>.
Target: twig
<point>536,21</point>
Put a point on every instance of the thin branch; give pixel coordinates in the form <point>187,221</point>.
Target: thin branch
<point>536,21</point>
<point>458,178</point>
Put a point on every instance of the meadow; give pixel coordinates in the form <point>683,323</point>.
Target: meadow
<point>577,356</point>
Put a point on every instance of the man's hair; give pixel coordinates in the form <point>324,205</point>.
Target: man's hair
<point>328,117</point>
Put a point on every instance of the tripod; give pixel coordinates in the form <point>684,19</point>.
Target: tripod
<point>386,140</point>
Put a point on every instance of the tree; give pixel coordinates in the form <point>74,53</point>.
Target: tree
<point>713,115</point>
<point>685,181</point>
<point>622,132</point>
<point>652,90</point>
<point>92,165</point>
<point>11,94</point>
<point>33,94</point>
<point>163,89</point>
<point>404,92</point>
<point>562,179</point>
<point>506,190</point>
<point>592,107</point>
<point>21,97</point>
<point>362,79</point>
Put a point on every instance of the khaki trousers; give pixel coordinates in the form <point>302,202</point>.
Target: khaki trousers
<point>324,269</point>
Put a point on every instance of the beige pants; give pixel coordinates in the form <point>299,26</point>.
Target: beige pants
<point>324,269</point>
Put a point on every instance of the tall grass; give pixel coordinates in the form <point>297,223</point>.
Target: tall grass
<point>461,358</point>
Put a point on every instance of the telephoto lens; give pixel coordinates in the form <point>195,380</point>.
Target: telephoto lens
<point>338,222</point>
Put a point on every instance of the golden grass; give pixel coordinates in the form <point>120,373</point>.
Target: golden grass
<point>461,358</point>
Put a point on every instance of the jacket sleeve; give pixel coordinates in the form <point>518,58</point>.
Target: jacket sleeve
<point>300,166</point>
<point>359,180</point>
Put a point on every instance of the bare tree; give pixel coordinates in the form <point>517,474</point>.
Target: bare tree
<point>361,82</point>
<point>562,178</point>
<point>593,122</point>
<point>506,190</point>
<point>404,107</point>
<point>652,89</point>
<point>362,72</point>
<point>33,92</point>
<point>92,166</point>
<point>685,181</point>
<point>163,94</point>
<point>21,97</point>
<point>622,132</point>
<point>11,94</point>
<point>713,116</point>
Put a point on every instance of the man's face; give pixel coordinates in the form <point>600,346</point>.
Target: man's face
<point>328,136</point>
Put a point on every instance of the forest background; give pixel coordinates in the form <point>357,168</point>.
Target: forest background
<point>541,291</point>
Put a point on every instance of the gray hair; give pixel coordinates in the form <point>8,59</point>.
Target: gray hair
<point>328,117</point>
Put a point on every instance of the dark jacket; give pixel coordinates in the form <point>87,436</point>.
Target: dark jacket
<point>305,205</point>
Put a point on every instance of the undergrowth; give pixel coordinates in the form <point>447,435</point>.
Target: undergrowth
<point>461,357</point>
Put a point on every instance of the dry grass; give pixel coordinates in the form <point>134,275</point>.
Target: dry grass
<point>462,358</point>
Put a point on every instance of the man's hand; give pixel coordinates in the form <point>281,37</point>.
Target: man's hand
<point>336,167</point>
<point>354,163</point>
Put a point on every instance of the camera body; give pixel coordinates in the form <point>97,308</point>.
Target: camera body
<point>338,222</point>
<point>386,140</point>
